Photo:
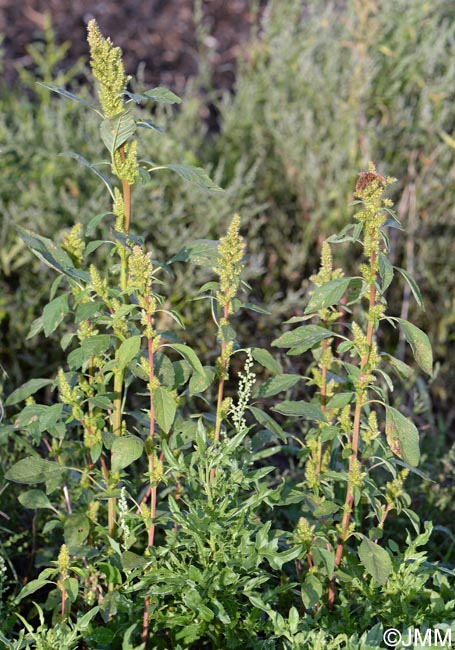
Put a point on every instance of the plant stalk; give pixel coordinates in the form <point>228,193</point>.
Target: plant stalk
<point>151,458</point>
<point>349,501</point>
<point>220,396</point>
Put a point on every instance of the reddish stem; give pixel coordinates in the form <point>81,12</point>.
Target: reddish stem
<point>220,386</point>
<point>349,501</point>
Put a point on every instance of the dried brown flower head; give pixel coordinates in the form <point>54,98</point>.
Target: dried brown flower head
<point>366,178</point>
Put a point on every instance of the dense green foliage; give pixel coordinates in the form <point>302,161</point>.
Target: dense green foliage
<point>179,505</point>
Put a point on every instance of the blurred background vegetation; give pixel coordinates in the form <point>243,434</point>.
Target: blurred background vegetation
<point>284,103</point>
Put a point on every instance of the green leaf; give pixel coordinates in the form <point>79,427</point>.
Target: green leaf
<point>165,408</point>
<point>268,423</point>
<point>189,355</point>
<point>29,388</point>
<point>354,290</point>
<point>84,621</point>
<point>376,560</point>
<point>159,94</point>
<point>194,175</point>
<point>266,360</point>
<point>76,530</point>
<point>402,369</point>
<point>94,222</point>
<point>311,591</point>
<point>83,161</point>
<point>203,252</point>
<point>68,95</point>
<point>33,470</point>
<point>117,130</point>
<point>302,409</point>
<point>340,400</point>
<point>385,271</point>
<point>420,345</point>
<point>35,328</point>
<point>50,418</point>
<point>402,436</point>
<point>132,561</point>
<point>51,254</point>
<point>148,124</point>
<point>102,401</point>
<point>111,572</point>
<point>413,286</point>
<point>294,620</point>
<point>277,384</point>
<point>276,560</point>
<point>304,337</point>
<point>54,312</point>
<point>326,558</point>
<point>87,310</point>
<point>328,294</point>
<point>125,450</point>
<point>128,350</point>
<point>34,499</point>
<point>33,586</point>
<point>199,383</point>
<point>95,345</point>
<point>72,587</point>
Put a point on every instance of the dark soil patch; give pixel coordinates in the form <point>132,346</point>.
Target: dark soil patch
<point>161,33</point>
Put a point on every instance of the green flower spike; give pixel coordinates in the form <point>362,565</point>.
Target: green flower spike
<point>107,67</point>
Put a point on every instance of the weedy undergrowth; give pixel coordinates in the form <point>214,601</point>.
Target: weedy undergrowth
<point>156,516</point>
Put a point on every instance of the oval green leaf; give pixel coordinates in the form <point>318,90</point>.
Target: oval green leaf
<point>33,470</point>
<point>420,345</point>
<point>125,450</point>
<point>402,436</point>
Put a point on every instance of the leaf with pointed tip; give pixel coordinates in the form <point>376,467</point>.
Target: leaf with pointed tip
<point>117,130</point>
<point>203,252</point>
<point>199,383</point>
<point>328,294</point>
<point>148,124</point>
<point>268,422</point>
<point>51,254</point>
<point>26,390</point>
<point>385,271</point>
<point>402,436</point>
<point>420,345</point>
<point>125,450</point>
<point>376,560</point>
<point>301,409</point>
<point>340,400</point>
<point>277,384</point>
<point>128,350</point>
<point>159,94</point>
<point>83,161</point>
<point>189,355</point>
<point>412,285</point>
<point>33,470</point>
<point>303,338</point>
<point>33,586</point>
<point>165,408</point>
<point>34,499</point>
<point>266,360</point>
<point>68,95</point>
<point>194,175</point>
<point>54,312</point>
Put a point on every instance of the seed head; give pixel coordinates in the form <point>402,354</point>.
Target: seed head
<point>107,67</point>
<point>229,264</point>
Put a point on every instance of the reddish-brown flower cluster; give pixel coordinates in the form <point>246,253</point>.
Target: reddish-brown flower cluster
<point>366,178</point>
